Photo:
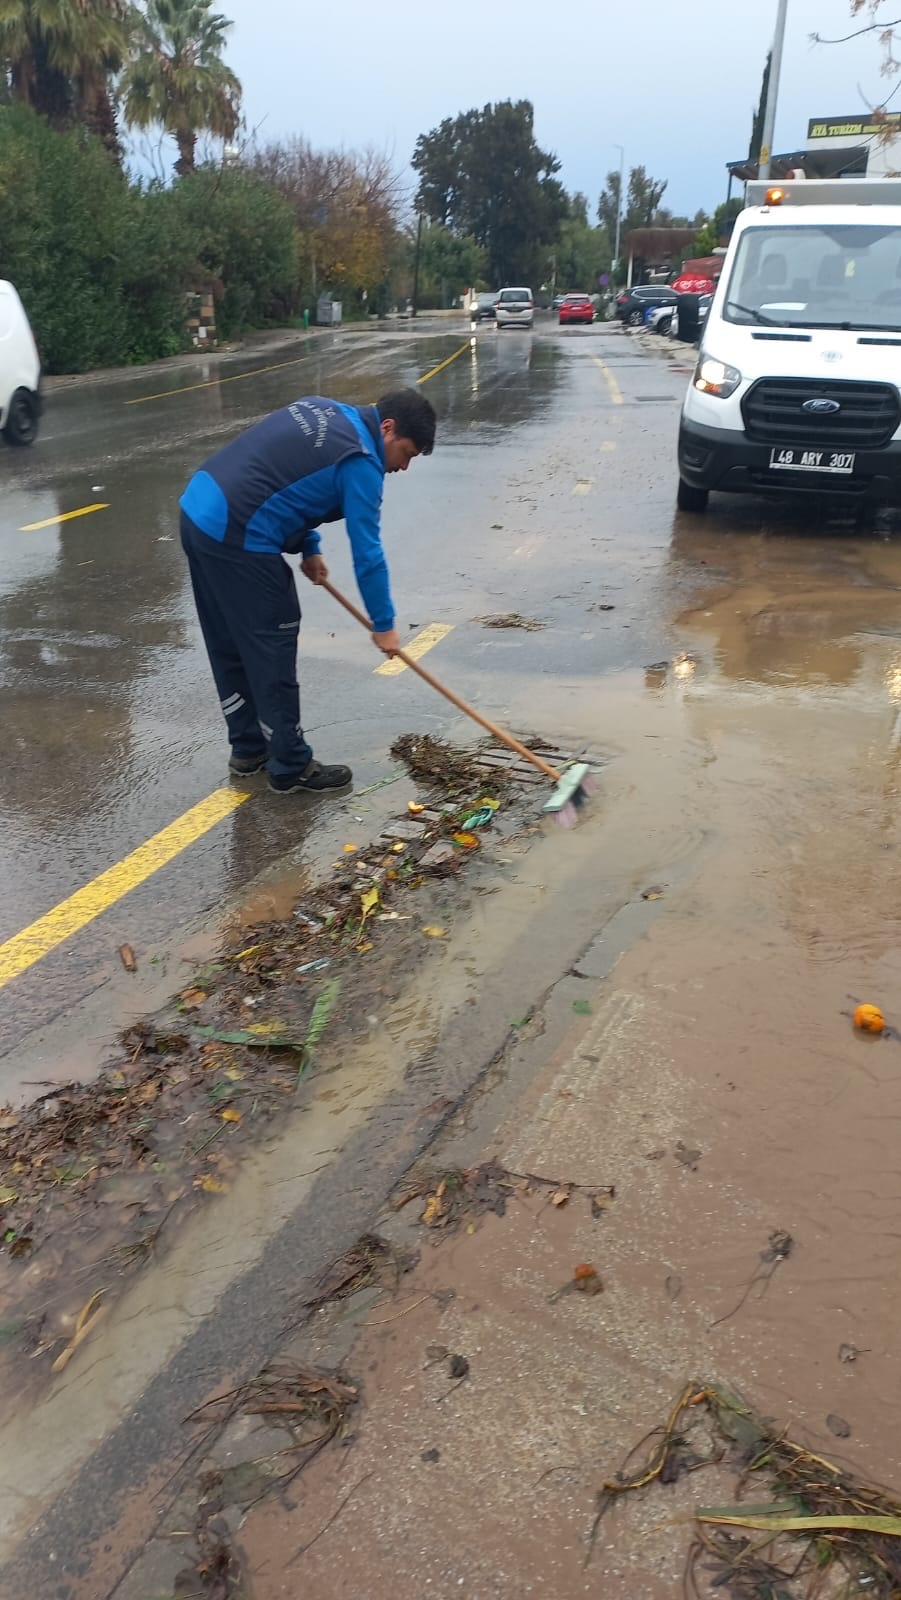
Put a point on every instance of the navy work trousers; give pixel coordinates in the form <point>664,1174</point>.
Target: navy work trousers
<point>250,615</point>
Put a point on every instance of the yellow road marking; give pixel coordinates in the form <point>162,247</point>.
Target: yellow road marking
<point>608,446</point>
<point>442,364</point>
<point>426,640</point>
<point>583,486</point>
<point>616,393</point>
<point>52,929</point>
<point>213,383</point>
<point>64,516</point>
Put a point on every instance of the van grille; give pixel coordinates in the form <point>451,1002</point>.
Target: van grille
<point>868,414</point>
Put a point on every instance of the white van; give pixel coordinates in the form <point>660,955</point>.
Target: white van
<point>797,383</point>
<point>20,371</point>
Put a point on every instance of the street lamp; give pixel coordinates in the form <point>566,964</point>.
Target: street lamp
<point>772,94</point>
<point>619,203</point>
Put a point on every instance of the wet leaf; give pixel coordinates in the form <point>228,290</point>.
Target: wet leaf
<point>399,848</point>
<point>262,1036</point>
<point>414,808</point>
<point>351,849</point>
<point>7,1195</point>
<point>673,1286</point>
<point>231,1115</point>
<point>369,901</point>
<point>363,948</point>
<point>560,1197</point>
<point>838,1426</point>
<point>848,1352</point>
<point>687,1158</point>
<point>582,1008</point>
<point>193,997</point>
<point>433,932</point>
<point>211,1185</point>
<point>7,1122</point>
<point>127,958</point>
<point>467,841</point>
<point>656,892</point>
<point>233,1075</point>
<point>457,1367</point>
<point>21,1246</point>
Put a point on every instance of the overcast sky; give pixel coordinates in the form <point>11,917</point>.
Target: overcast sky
<point>676,85</point>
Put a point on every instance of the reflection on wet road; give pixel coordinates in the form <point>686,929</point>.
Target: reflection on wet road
<point>551,493</point>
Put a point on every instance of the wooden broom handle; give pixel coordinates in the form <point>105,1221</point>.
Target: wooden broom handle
<point>470,711</point>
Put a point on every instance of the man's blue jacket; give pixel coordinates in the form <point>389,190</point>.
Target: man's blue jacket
<point>311,462</point>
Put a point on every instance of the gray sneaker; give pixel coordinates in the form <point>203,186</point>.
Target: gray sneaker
<point>246,766</point>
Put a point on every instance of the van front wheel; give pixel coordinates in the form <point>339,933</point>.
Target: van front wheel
<point>691,499</point>
<point>21,425</point>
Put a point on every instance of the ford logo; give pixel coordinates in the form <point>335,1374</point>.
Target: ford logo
<point>821,407</point>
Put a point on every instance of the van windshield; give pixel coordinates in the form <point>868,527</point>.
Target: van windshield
<point>817,276</point>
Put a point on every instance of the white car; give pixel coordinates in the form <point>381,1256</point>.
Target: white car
<point>515,308</point>
<point>659,320</point>
<point>20,371</point>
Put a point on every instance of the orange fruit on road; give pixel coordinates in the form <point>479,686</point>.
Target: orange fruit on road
<point>869,1019</point>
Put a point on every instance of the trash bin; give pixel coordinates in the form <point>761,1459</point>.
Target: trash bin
<point>328,311</point>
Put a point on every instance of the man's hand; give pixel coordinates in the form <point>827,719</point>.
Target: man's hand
<point>388,642</point>
<point>314,568</point>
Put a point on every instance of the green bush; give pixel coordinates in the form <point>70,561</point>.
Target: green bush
<point>103,264</point>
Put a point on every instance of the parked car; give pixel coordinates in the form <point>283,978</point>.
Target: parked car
<point>576,308</point>
<point>20,371</point>
<point>694,327</point>
<point>481,307</point>
<point>630,305</point>
<point>557,301</point>
<point>659,318</point>
<point>514,308</point>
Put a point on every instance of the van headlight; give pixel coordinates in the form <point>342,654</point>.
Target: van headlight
<point>716,377</point>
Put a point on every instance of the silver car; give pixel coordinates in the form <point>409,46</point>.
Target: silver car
<point>515,308</point>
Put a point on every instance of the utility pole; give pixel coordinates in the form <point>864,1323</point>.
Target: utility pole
<point>619,207</point>
<point>772,93</point>
<point>416,267</point>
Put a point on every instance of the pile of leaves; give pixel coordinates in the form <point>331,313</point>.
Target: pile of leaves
<point>455,1195</point>
<point>92,1172</point>
<point>818,1520</point>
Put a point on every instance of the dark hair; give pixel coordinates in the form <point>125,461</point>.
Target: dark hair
<point>413,417</point>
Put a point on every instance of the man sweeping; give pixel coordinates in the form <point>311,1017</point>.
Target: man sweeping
<point>259,499</point>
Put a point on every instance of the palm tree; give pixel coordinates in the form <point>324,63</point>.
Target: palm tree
<point>177,78</point>
<point>59,55</point>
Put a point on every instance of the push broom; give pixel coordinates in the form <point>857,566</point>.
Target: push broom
<point>571,787</point>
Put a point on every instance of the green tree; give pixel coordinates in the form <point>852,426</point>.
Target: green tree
<point>757,121</point>
<point>717,228</point>
<point>57,56</point>
<point>449,263</point>
<point>244,242</point>
<point>176,77</point>
<point>642,202</point>
<point>482,173</point>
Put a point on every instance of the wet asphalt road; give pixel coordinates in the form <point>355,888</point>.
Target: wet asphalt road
<point>111,724</point>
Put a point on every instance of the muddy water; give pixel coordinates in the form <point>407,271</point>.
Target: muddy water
<point>770,745</point>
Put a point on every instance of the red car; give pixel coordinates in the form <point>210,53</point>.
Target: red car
<point>576,308</point>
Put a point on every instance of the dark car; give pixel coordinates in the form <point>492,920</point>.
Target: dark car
<point>576,308</point>
<point>481,307</point>
<point>630,305</point>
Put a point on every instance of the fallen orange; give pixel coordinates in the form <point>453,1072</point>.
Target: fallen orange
<point>869,1019</point>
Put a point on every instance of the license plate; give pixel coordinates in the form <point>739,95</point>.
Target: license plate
<point>832,461</point>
